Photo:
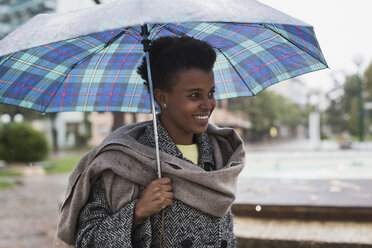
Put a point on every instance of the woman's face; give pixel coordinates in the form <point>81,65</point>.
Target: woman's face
<point>188,106</point>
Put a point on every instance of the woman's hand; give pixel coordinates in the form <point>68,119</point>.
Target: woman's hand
<point>157,196</point>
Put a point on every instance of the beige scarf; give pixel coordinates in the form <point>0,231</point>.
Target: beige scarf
<point>126,164</point>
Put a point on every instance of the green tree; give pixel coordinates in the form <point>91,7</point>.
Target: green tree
<point>353,121</point>
<point>343,114</point>
<point>268,109</point>
<point>367,79</point>
<point>335,116</point>
<point>367,84</point>
<point>350,103</point>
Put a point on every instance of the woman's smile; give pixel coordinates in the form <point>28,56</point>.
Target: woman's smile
<point>201,117</point>
<point>201,120</point>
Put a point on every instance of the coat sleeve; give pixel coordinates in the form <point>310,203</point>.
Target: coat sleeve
<point>99,226</point>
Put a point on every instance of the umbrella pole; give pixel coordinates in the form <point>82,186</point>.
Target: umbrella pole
<point>146,45</point>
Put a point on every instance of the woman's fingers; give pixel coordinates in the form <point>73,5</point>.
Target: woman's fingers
<point>162,196</point>
<point>159,185</point>
<point>157,196</point>
<point>165,188</point>
<point>164,180</point>
<point>162,184</point>
<point>168,195</point>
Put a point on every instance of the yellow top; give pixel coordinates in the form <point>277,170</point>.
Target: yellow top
<point>190,152</point>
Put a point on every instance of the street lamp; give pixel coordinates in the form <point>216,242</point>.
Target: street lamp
<point>358,60</point>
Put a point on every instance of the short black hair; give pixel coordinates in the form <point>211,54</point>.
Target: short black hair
<point>169,55</point>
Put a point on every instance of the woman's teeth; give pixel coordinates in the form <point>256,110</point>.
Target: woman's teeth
<point>199,117</point>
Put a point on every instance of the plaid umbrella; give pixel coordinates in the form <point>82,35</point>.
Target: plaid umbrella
<point>86,60</point>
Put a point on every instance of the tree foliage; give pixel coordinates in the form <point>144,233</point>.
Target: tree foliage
<point>343,112</point>
<point>367,82</point>
<point>268,109</point>
<point>335,117</point>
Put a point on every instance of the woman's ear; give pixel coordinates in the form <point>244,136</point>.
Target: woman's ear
<point>161,97</point>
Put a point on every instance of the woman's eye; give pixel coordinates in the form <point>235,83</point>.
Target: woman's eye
<point>194,95</point>
<point>197,95</point>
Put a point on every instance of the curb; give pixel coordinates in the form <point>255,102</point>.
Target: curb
<point>363,214</point>
<point>261,243</point>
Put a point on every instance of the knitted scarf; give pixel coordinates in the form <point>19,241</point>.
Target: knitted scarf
<point>128,164</point>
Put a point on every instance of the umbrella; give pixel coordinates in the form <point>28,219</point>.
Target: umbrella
<point>86,60</point>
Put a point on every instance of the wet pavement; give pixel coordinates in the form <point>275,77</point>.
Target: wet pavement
<point>28,216</point>
<point>276,175</point>
<point>290,195</point>
<point>28,213</point>
<point>274,233</point>
<point>304,192</point>
<point>292,173</point>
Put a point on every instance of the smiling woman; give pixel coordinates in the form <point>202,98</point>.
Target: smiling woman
<point>116,200</point>
<point>187,107</point>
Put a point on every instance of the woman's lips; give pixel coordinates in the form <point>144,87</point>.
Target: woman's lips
<point>201,119</point>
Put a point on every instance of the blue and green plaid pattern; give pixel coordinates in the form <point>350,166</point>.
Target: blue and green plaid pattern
<point>98,72</point>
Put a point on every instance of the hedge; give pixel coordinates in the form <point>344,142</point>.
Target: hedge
<point>19,142</point>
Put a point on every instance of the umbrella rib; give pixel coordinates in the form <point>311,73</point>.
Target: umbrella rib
<point>85,58</point>
<point>156,29</point>
<point>135,31</point>
<point>294,44</point>
<point>237,72</point>
<point>7,57</point>
<point>174,31</point>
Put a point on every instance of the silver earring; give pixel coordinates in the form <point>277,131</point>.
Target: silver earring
<point>164,105</point>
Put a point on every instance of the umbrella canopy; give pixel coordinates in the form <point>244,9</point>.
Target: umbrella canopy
<point>86,60</point>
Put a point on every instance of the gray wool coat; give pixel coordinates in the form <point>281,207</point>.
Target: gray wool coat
<point>112,176</point>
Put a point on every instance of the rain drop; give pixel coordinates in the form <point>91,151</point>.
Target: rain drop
<point>258,208</point>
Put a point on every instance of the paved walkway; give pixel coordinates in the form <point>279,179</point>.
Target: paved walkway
<point>305,145</point>
<point>302,192</point>
<point>28,213</point>
<point>28,217</point>
<point>349,233</point>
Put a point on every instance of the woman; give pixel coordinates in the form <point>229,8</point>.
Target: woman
<point>113,197</point>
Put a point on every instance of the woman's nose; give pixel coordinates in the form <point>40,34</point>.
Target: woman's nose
<point>207,103</point>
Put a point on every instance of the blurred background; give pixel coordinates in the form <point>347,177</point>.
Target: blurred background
<point>307,180</point>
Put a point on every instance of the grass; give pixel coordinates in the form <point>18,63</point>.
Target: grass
<point>9,173</point>
<point>6,185</point>
<point>63,165</point>
<point>60,165</point>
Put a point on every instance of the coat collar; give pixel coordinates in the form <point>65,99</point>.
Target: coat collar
<point>167,145</point>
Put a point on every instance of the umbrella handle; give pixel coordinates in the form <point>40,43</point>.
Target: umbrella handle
<point>146,42</point>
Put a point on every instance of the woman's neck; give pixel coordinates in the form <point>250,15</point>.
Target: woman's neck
<point>177,137</point>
